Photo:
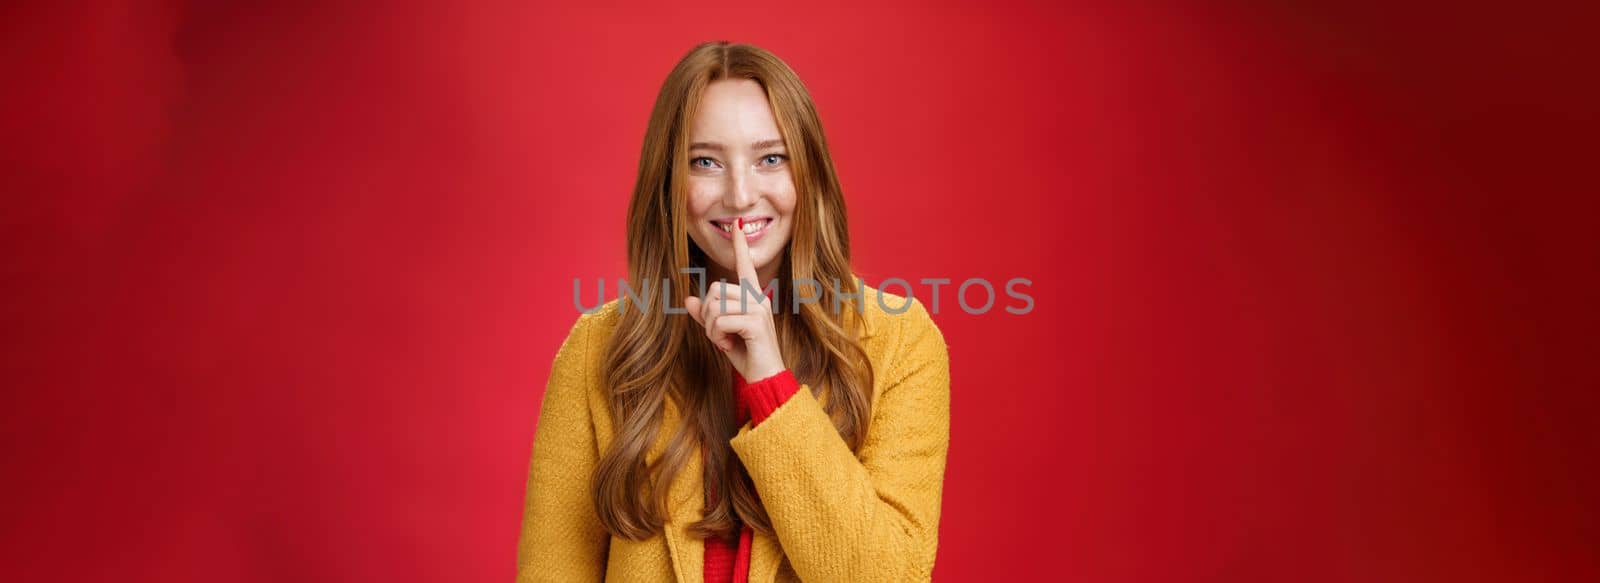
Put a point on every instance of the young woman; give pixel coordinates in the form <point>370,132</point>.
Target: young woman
<point>714,432</point>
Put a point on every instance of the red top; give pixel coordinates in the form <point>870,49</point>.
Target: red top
<point>725,562</point>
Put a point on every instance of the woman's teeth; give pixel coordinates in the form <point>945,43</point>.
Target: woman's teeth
<point>750,228</point>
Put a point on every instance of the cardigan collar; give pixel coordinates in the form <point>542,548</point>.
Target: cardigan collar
<point>686,497</point>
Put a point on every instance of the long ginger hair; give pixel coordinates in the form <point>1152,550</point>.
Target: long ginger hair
<point>654,358</point>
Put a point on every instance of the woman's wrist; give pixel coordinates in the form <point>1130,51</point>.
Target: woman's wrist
<point>758,399</point>
<point>763,372</point>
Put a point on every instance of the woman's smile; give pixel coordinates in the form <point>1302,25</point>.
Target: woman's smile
<point>754,227</point>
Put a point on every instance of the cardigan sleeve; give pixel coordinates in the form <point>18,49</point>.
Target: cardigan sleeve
<point>840,516</point>
<point>756,401</point>
<point>562,539</point>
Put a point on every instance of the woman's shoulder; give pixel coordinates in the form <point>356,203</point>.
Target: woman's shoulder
<point>901,319</point>
<point>602,319</point>
<point>904,343</point>
<point>586,339</point>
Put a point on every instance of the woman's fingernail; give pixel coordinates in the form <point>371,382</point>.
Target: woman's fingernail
<point>738,223</point>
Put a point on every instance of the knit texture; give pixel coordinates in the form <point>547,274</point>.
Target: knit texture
<point>757,400</point>
<point>872,515</point>
<point>729,562</point>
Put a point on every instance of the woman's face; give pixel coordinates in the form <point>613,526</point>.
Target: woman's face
<point>739,168</point>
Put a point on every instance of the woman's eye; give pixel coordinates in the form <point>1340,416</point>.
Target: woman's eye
<point>773,159</point>
<point>703,162</point>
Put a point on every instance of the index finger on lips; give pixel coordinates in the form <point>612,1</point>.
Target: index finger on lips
<point>741,256</point>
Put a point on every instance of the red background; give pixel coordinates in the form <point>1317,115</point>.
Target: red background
<point>1315,281</point>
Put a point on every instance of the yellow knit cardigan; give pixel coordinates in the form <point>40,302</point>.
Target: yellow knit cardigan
<point>839,516</point>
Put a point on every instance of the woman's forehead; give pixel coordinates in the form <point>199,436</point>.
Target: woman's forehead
<point>734,114</point>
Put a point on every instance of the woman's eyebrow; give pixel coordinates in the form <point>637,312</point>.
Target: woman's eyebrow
<point>714,146</point>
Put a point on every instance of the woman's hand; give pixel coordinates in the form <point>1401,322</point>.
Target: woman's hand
<point>740,325</point>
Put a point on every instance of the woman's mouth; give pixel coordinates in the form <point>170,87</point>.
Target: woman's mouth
<point>754,227</point>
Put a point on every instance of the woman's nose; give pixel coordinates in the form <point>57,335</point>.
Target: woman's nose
<point>742,190</point>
